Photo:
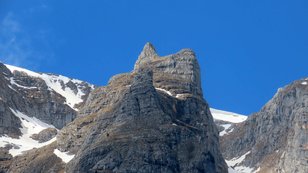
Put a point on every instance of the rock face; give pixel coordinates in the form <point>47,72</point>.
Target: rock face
<point>42,98</point>
<point>5,160</point>
<point>38,95</point>
<point>226,120</point>
<point>38,161</point>
<point>276,138</point>
<point>178,73</point>
<point>45,135</point>
<point>153,119</point>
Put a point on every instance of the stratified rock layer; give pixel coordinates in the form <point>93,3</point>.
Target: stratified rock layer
<point>30,93</point>
<point>153,119</point>
<point>32,96</point>
<point>277,136</point>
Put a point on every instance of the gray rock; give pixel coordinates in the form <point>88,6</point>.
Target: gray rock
<point>132,127</point>
<point>37,161</point>
<point>133,124</point>
<point>5,160</point>
<point>31,96</point>
<point>276,136</point>
<point>45,135</point>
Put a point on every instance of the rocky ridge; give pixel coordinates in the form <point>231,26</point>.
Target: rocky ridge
<point>54,99</point>
<point>274,139</point>
<point>31,102</point>
<point>153,119</point>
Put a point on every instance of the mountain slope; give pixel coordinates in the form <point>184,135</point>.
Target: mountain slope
<point>220,115</point>
<point>72,90</point>
<point>153,119</point>
<point>32,106</point>
<point>276,138</point>
<point>225,122</point>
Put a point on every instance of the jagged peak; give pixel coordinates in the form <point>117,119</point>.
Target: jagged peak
<point>147,54</point>
<point>148,50</point>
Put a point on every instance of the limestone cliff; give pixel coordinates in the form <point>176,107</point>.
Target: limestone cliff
<point>153,119</point>
<point>276,138</point>
<point>31,101</point>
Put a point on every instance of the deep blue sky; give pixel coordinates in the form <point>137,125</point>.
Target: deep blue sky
<point>247,49</point>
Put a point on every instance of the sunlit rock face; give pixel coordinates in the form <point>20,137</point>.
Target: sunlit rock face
<point>54,99</point>
<point>153,119</point>
<point>31,102</point>
<point>276,137</point>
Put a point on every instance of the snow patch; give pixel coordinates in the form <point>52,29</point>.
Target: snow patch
<point>244,169</point>
<point>180,95</point>
<point>257,170</point>
<point>55,83</point>
<point>11,88</point>
<point>226,127</point>
<point>165,91</point>
<point>304,83</point>
<point>63,155</point>
<point>235,161</point>
<point>12,81</point>
<point>30,126</point>
<point>230,170</point>
<point>227,116</point>
<point>234,168</point>
<point>30,73</point>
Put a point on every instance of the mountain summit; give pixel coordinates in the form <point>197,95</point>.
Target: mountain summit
<point>153,119</point>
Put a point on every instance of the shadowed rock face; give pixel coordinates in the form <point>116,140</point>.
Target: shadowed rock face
<point>133,125</point>
<point>277,136</point>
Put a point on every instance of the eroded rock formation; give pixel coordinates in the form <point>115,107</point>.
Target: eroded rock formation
<point>276,138</point>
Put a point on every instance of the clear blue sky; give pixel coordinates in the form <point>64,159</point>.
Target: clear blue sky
<point>247,49</point>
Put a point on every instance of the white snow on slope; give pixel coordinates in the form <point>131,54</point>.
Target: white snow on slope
<point>238,160</point>
<point>304,83</point>
<point>230,170</point>
<point>54,83</point>
<point>63,155</point>
<point>226,129</point>
<point>12,81</point>
<point>235,168</point>
<point>231,118</point>
<point>169,93</point>
<point>30,126</point>
<point>165,91</point>
<point>217,114</point>
<point>227,116</point>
